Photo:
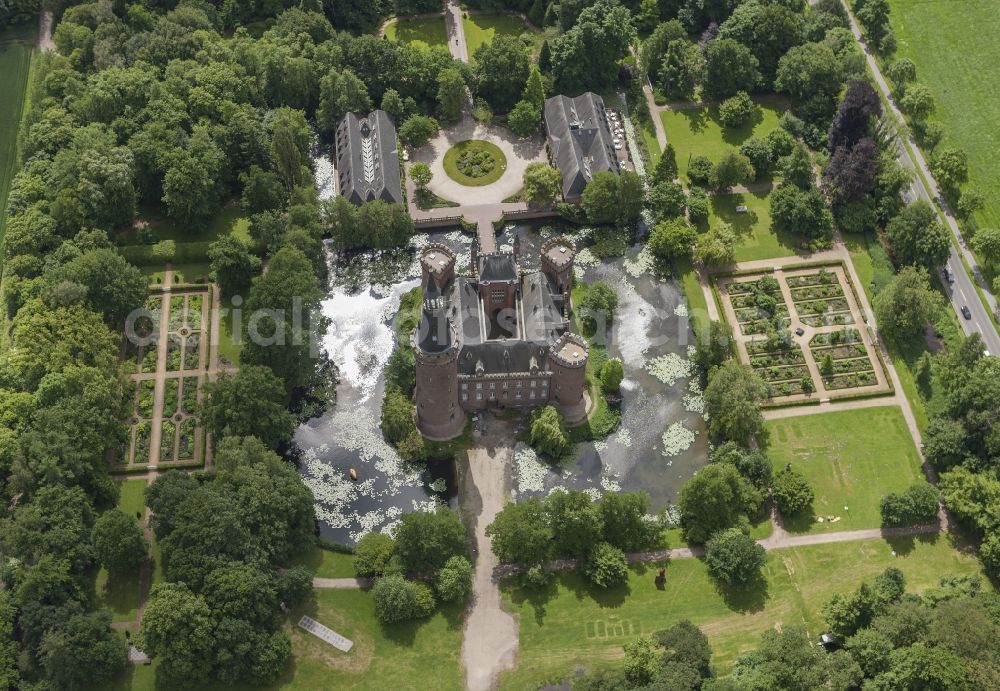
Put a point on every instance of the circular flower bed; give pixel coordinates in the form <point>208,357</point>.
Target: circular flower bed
<point>475,163</point>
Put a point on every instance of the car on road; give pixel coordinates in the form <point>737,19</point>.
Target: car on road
<point>799,331</point>
<point>966,312</point>
<point>948,275</point>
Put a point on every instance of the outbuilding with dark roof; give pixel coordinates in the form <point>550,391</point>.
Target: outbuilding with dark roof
<point>368,159</point>
<point>580,141</point>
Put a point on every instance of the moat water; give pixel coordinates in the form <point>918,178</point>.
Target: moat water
<point>660,442</point>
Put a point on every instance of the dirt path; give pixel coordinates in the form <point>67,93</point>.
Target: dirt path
<point>45,43</point>
<point>342,583</point>
<point>778,540</point>
<point>491,634</point>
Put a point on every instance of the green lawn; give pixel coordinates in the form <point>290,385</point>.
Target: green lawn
<point>851,458</point>
<point>121,595</point>
<point>416,655</point>
<point>459,154</point>
<point>132,499</point>
<point>15,63</point>
<point>962,77</point>
<point>326,563</point>
<point>574,625</point>
<point>698,132</point>
<point>652,146</point>
<point>230,345</point>
<point>753,228</point>
<point>481,28</point>
<point>429,32</point>
<point>875,271</point>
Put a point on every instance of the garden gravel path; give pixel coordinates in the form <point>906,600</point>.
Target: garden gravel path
<point>456,31</point>
<point>491,633</point>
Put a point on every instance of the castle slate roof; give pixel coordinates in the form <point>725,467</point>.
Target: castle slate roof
<point>580,140</point>
<point>497,267</point>
<point>367,159</point>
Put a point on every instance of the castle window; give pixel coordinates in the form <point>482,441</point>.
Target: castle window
<point>505,385</point>
<point>533,382</point>
<point>519,394</point>
<point>465,397</point>
<point>493,385</point>
<point>479,396</point>
<point>479,385</point>
<point>497,296</point>
<point>465,387</point>
<point>519,384</point>
<point>532,393</point>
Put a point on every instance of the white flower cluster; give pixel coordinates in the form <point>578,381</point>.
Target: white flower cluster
<point>439,485</point>
<point>610,484</point>
<point>677,439</point>
<point>681,310</point>
<point>583,261</point>
<point>694,404</point>
<point>643,264</point>
<point>669,368</point>
<point>530,472</point>
<point>624,437</point>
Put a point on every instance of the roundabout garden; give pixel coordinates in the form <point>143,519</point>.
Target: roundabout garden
<point>475,163</point>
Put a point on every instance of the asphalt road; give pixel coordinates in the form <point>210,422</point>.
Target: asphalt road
<point>962,292</point>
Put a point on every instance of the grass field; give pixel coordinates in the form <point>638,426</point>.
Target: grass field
<point>851,458</point>
<point>15,63</point>
<point>416,655</point>
<point>572,625</point>
<point>698,132</point>
<point>325,563</point>
<point>753,228</point>
<point>481,28</point>
<point>429,32</point>
<point>963,78</point>
<point>121,596</point>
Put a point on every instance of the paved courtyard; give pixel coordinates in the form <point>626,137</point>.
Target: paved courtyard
<point>520,154</point>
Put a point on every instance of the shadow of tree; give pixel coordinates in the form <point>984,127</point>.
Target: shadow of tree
<point>747,598</point>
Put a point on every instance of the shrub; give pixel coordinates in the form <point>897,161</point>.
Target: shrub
<point>612,374</point>
<point>454,581</point>
<point>295,586</point>
<point>118,541</point>
<point>791,491</point>
<point>700,170</point>
<point>397,599</point>
<point>548,432</point>
<point>733,557</point>
<point>524,119</point>
<point>738,110</point>
<point>915,506</point>
<point>373,554</point>
<point>606,566</point>
<point>537,577</point>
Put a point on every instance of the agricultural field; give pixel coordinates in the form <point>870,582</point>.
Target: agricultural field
<point>572,624</point>
<point>15,63</point>
<point>851,458</point>
<point>428,32</point>
<point>964,80</point>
